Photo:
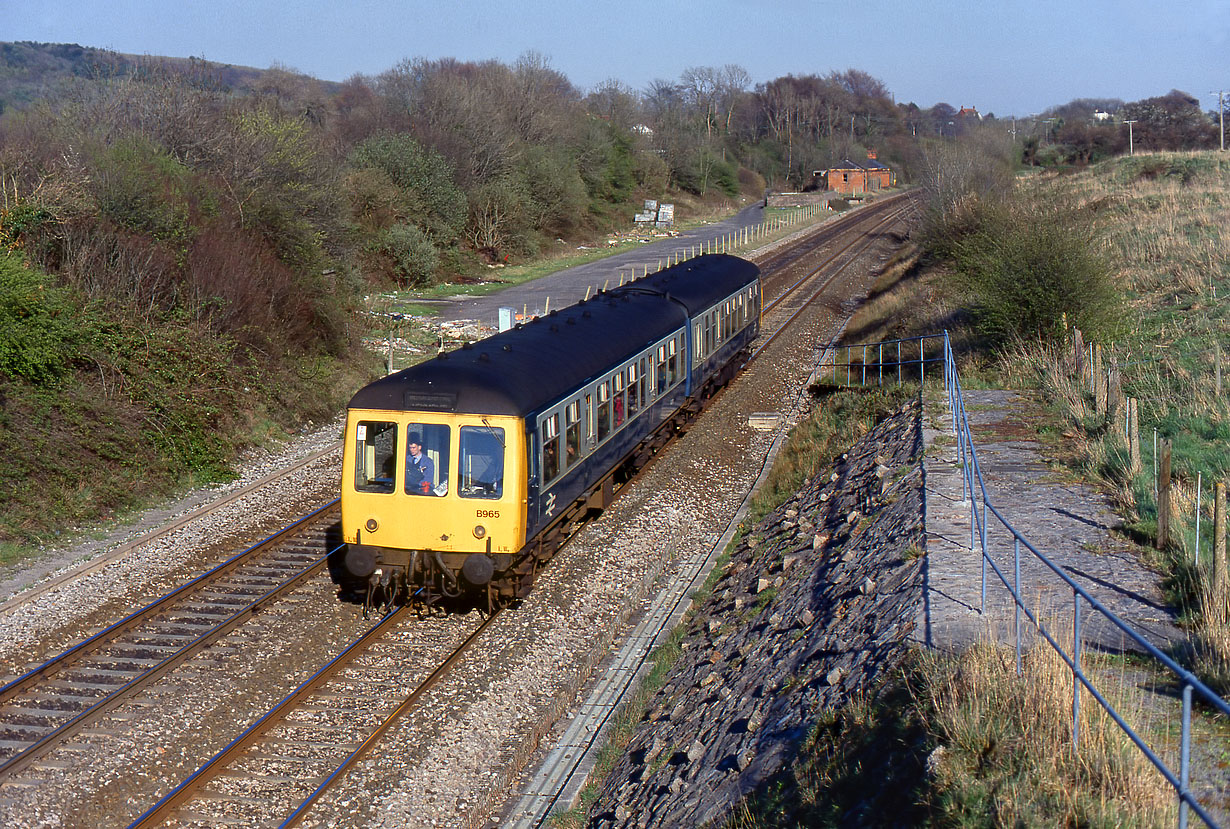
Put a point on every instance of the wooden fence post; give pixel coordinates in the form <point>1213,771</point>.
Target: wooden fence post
<point>1163,497</point>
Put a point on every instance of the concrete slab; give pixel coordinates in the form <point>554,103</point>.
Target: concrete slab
<point>1070,523</point>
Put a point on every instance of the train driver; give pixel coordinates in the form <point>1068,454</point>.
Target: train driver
<point>420,473</point>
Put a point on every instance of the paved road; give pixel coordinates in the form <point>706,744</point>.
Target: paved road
<point>567,287</point>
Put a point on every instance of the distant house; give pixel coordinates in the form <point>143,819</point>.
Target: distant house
<point>846,177</point>
<point>1100,116</point>
<point>852,178</point>
<point>969,112</point>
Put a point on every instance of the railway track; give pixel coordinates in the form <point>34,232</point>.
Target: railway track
<point>799,296</point>
<point>99,562</point>
<point>780,260</point>
<point>45,707</point>
<point>250,781</point>
<point>299,741</point>
<point>273,772</point>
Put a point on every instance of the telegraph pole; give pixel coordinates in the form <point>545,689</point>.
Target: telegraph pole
<point>1131,146</point>
<point>1221,116</point>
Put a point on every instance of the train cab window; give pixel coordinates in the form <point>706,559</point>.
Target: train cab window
<point>619,406</point>
<point>427,459</point>
<point>550,448</point>
<point>634,397</point>
<point>661,372</point>
<point>604,409</point>
<point>482,462</point>
<point>375,456</point>
<point>672,362</point>
<point>572,434</point>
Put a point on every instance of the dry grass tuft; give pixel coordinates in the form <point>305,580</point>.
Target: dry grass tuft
<point>1211,642</point>
<point>1006,756</point>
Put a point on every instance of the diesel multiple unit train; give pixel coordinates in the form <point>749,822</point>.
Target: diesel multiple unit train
<point>464,472</point>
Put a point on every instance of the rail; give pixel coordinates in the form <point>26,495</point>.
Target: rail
<point>865,364</point>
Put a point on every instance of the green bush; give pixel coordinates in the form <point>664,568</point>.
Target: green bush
<point>704,172</point>
<point>40,325</point>
<point>414,257</point>
<point>424,178</point>
<point>1023,271</point>
<point>141,188</point>
<point>557,197</point>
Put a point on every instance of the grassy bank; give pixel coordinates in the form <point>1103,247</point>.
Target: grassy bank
<point>1163,223</point>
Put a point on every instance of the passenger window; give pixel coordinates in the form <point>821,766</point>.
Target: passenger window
<point>619,400</point>
<point>482,462</point>
<point>572,436</point>
<point>634,397</point>
<point>645,380</point>
<point>550,448</point>
<point>427,459</point>
<point>673,363</point>
<point>375,456</point>
<point>604,409</point>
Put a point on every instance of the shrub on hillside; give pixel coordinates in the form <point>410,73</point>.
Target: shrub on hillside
<point>1024,271</point>
<point>40,325</point>
<point>141,188</point>
<point>414,258</point>
<point>424,182</point>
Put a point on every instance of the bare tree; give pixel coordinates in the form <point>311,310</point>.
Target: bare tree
<point>701,86</point>
<point>616,102</point>
<point>734,81</point>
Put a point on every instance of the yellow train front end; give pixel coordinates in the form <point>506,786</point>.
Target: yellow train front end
<point>433,503</point>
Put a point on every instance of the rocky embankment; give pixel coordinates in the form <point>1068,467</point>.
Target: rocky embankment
<point>816,603</point>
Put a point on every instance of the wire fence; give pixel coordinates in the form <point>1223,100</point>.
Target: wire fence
<point>1176,387</point>
<point>895,360</point>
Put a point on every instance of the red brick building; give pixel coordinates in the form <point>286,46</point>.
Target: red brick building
<point>853,178</point>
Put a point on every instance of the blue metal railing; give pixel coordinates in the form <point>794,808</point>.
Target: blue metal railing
<point>865,364</point>
<point>981,512</point>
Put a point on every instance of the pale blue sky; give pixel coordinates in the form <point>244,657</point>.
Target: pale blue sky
<point>1006,56</point>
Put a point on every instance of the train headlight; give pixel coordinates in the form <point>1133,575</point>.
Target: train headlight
<point>480,531</point>
<point>371,525</point>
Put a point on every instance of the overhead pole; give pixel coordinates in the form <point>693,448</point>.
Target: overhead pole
<point>1131,145</point>
<point>1221,116</point>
